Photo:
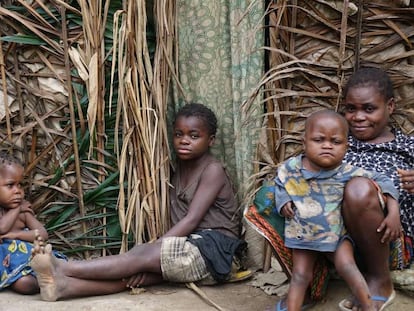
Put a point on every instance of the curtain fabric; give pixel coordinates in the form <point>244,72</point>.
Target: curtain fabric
<point>219,65</point>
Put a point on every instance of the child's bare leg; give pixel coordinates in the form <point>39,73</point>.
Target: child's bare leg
<point>50,281</point>
<point>144,279</point>
<point>60,279</point>
<point>348,270</point>
<point>303,262</point>
<point>26,285</point>
<point>141,258</point>
<point>55,285</point>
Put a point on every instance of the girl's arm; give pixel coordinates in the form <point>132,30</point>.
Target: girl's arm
<point>8,219</point>
<point>31,223</point>
<point>211,182</point>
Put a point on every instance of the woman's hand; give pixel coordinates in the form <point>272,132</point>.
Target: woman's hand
<point>391,225</point>
<point>407,180</point>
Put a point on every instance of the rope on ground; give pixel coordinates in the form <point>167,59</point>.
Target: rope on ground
<point>203,295</point>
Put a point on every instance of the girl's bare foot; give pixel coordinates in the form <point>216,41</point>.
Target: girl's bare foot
<point>46,267</point>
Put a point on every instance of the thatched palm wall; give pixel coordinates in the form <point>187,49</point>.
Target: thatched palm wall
<point>83,104</point>
<point>313,47</point>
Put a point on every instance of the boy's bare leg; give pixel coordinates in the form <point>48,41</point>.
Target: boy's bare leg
<point>303,263</point>
<point>348,270</point>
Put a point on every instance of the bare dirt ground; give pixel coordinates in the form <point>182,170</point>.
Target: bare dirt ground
<point>240,296</point>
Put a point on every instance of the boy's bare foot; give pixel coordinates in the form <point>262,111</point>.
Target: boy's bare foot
<point>45,265</point>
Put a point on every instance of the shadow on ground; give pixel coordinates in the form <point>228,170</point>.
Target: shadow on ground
<point>242,296</point>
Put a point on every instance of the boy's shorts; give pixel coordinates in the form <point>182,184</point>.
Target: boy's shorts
<point>181,261</point>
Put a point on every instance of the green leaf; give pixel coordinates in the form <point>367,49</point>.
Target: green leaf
<point>24,39</point>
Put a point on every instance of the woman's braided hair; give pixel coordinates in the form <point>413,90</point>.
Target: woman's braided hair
<point>370,76</point>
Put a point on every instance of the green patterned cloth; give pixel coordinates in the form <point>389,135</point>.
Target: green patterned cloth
<point>220,64</point>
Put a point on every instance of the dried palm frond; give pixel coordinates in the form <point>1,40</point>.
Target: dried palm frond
<point>84,105</point>
<point>144,157</point>
<point>314,46</point>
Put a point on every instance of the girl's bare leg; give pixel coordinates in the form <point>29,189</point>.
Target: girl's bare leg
<point>59,279</point>
<point>55,285</point>
<point>26,285</point>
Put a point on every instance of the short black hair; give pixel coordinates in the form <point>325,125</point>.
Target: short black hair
<point>326,113</point>
<point>371,76</point>
<point>8,159</point>
<point>202,112</point>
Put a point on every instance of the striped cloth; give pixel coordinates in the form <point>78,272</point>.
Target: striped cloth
<point>181,261</point>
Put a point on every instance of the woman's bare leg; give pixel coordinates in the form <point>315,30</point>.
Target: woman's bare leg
<point>362,216</point>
